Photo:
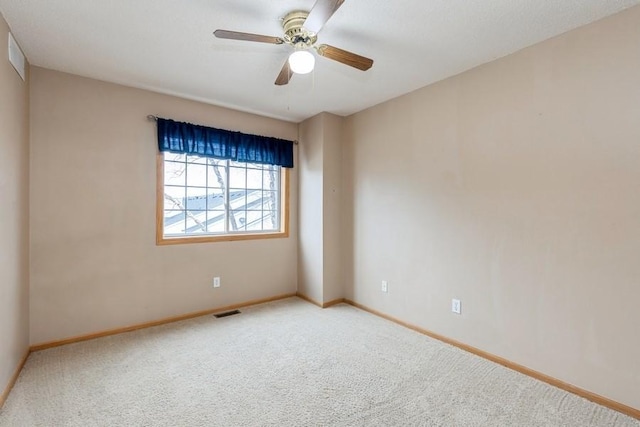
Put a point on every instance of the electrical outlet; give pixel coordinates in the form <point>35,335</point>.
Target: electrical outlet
<point>456,306</point>
<point>216,282</point>
<point>385,286</point>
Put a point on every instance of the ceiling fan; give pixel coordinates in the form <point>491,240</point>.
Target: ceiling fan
<point>301,31</point>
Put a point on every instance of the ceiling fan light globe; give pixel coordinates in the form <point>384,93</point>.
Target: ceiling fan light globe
<point>302,62</point>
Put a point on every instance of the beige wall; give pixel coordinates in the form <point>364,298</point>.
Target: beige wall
<point>332,208</point>
<point>319,245</point>
<point>516,188</point>
<point>14,214</point>
<point>311,223</point>
<point>94,262</point>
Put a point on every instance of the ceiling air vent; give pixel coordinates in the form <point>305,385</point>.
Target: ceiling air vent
<point>16,57</point>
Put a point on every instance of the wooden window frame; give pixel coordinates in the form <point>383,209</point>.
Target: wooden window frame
<point>161,240</point>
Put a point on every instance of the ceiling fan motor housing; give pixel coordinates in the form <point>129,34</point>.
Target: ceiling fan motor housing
<point>295,33</point>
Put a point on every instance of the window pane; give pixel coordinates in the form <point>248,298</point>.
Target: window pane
<point>196,175</point>
<point>270,221</point>
<point>217,174</point>
<point>174,157</point>
<point>173,222</point>
<point>174,173</point>
<point>174,197</point>
<point>271,180</point>
<point>215,221</point>
<point>215,199</point>
<point>237,220</point>
<point>237,198</point>
<point>254,178</point>
<point>254,220</point>
<point>254,200</point>
<point>197,160</point>
<point>196,222</point>
<point>238,164</point>
<point>196,199</point>
<point>237,177</point>
<point>269,200</point>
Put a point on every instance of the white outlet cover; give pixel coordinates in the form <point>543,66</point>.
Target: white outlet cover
<point>456,306</point>
<point>385,286</point>
<point>216,282</point>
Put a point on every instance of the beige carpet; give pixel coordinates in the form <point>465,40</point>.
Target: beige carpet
<point>286,363</point>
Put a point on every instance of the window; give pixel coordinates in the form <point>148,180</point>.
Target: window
<point>202,199</point>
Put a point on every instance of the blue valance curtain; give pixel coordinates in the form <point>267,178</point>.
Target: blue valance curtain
<point>187,138</point>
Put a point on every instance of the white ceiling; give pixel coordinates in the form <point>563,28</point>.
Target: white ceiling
<point>167,45</point>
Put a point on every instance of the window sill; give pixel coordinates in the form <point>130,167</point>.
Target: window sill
<point>164,241</point>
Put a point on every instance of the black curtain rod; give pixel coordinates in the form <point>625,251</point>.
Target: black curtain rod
<point>155,119</point>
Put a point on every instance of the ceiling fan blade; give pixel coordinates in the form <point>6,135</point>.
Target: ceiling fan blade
<point>346,57</point>
<point>235,35</point>
<point>285,74</point>
<point>320,14</point>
